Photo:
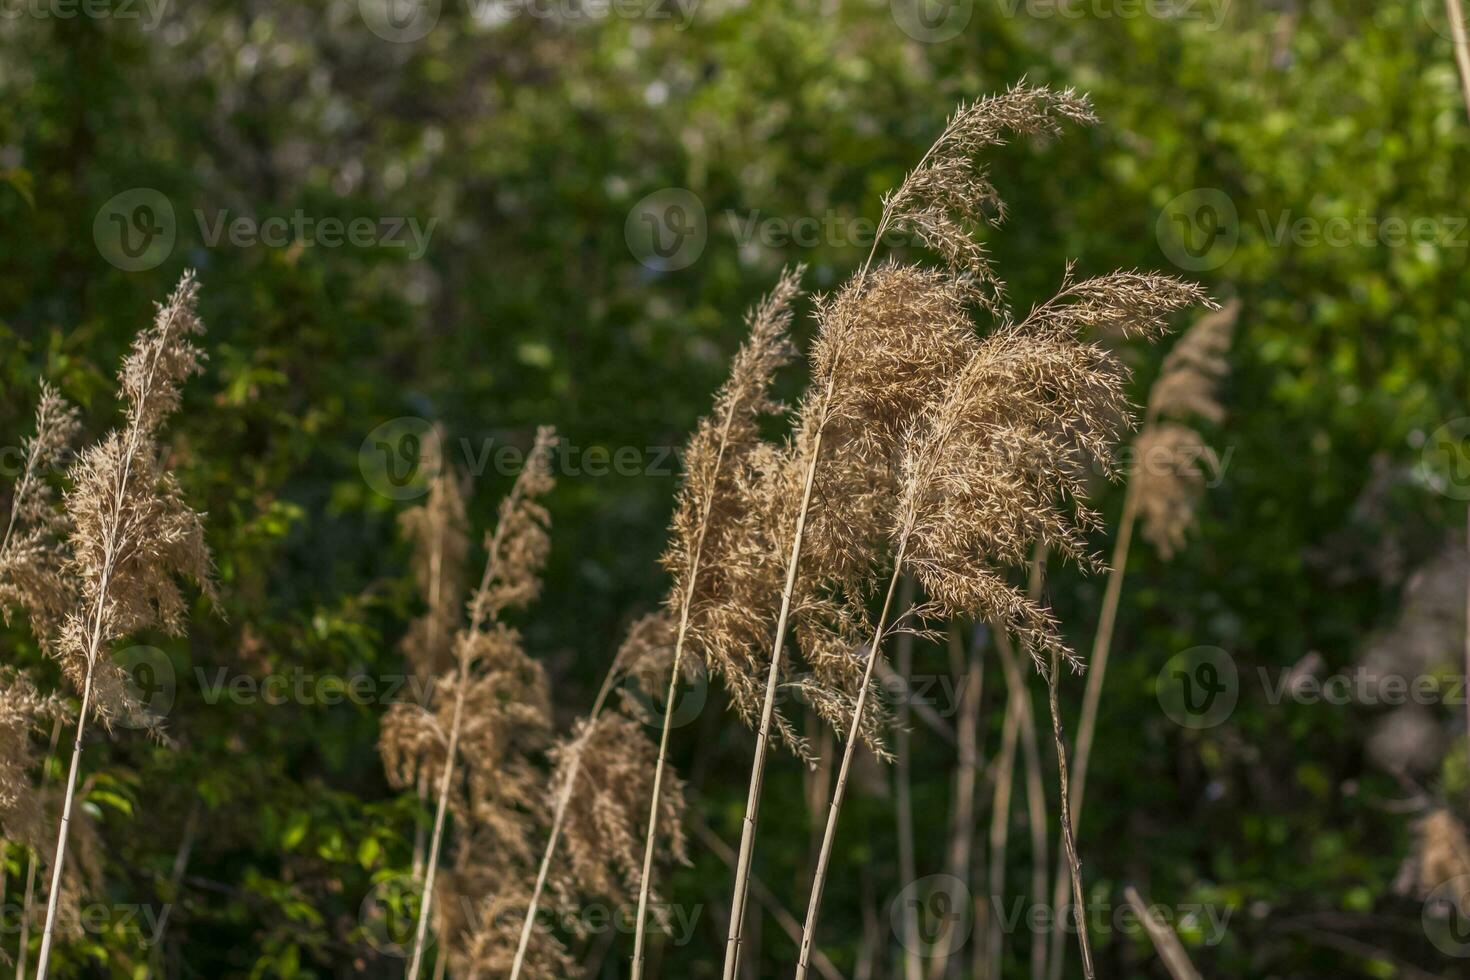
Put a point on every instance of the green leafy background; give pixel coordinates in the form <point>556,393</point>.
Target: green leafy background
<point>527,140</point>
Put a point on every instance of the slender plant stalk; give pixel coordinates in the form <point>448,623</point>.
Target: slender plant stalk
<point>1169,948</point>
<point>1097,668</point>
<point>767,898</point>
<point>175,881</point>
<point>962,821</point>
<point>27,910</point>
<point>1467,619</point>
<point>763,734</point>
<point>1000,831</point>
<point>1461,39</point>
<point>686,602</point>
<point>1035,790</point>
<point>1079,914</point>
<point>52,900</point>
<point>563,799</point>
<point>446,778</point>
<point>829,836</point>
<point>435,597</point>
<point>110,531</point>
<point>907,864</point>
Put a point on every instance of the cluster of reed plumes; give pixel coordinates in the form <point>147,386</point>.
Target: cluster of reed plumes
<point>942,438</point>
<point>89,570</point>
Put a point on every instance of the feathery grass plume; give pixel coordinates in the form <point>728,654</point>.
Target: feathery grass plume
<point>605,821</point>
<point>1164,486</point>
<point>440,538</point>
<point>1167,453</point>
<point>33,552</point>
<point>132,536</point>
<point>516,553</point>
<point>945,194</point>
<point>478,906</point>
<point>1441,853</point>
<point>437,528</point>
<point>23,712</point>
<point>703,557</point>
<point>646,655</point>
<point>994,466</point>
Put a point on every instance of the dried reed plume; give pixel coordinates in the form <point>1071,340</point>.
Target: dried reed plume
<point>493,678</point>
<point>994,465</point>
<point>33,553</point>
<point>1164,487</point>
<point>440,540</point>
<point>646,654</point>
<point>132,534</point>
<point>703,556</point>
<point>605,821</point>
<point>938,200</point>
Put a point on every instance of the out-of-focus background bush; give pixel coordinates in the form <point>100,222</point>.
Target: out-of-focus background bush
<point>500,158</point>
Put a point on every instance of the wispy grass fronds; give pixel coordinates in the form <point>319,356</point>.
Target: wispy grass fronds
<point>1168,452</point>
<point>644,663</point>
<point>940,201</point>
<point>440,538</point>
<point>132,536</point>
<point>438,531</point>
<point>493,708</point>
<point>711,568</point>
<point>33,552</point>
<point>1164,486</point>
<point>994,465</point>
<point>605,826</point>
<point>24,712</point>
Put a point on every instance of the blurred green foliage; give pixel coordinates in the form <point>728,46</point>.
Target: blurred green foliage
<point>526,140</point>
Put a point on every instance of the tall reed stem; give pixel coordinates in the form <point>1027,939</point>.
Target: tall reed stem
<point>808,933</point>
<point>773,677</point>
<point>23,953</point>
<point>962,822</point>
<point>1079,914</point>
<point>1460,37</point>
<point>110,531</point>
<point>446,779</point>
<point>1097,669</point>
<point>907,863</point>
<point>563,799</point>
<point>686,603</point>
<point>763,735</point>
<point>1035,789</point>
